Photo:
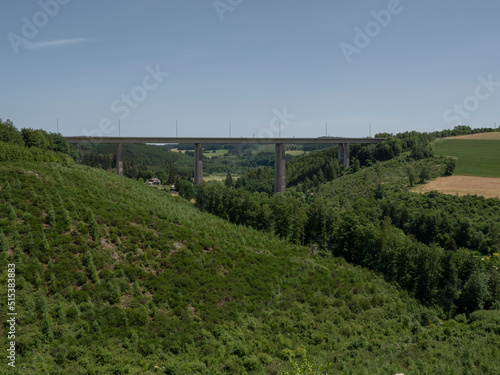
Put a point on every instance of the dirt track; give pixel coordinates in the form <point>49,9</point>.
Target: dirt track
<point>463,185</point>
<point>494,136</point>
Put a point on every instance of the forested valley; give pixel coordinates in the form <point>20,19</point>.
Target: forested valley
<point>442,249</point>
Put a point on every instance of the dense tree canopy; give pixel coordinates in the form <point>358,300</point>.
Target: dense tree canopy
<point>436,246</point>
<point>10,134</point>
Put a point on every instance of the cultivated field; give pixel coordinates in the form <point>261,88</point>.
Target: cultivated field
<point>462,185</point>
<point>478,156</point>
<point>211,153</point>
<point>219,177</point>
<point>494,136</point>
<point>296,152</point>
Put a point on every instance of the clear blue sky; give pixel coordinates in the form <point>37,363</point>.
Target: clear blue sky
<point>246,60</point>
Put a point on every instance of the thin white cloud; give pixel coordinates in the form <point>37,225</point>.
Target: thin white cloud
<point>56,43</point>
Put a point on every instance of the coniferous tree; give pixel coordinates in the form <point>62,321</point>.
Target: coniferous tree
<point>4,243</point>
<point>44,244</point>
<point>51,217</point>
<point>336,168</point>
<point>229,180</point>
<point>60,311</point>
<point>11,213</point>
<point>46,328</point>
<point>329,171</point>
<point>66,221</point>
<point>91,269</point>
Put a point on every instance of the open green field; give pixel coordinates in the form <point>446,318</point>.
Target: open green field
<point>211,153</point>
<point>296,152</point>
<point>219,177</point>
<point>475,157</point>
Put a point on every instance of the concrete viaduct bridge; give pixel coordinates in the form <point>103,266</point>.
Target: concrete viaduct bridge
<point>280,143</point>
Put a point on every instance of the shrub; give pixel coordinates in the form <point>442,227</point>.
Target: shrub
<point>4,243</point>
<point>51,217</point>
<point>252,363</point>
<point>66,221</point>
<point>73,312</point>
<point>186,189</point>
<point>486,316</point>
<point>102,356</point>
<point>450,167</point>
<point>46,328</point>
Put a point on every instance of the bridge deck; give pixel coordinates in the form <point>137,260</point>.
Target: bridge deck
<point>191,140</point>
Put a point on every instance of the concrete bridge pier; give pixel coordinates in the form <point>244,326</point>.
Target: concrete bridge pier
<point>344,155</point>
<point>340,154</point>
<point>347,156</point>
<point>198,164</point>
<point>119,160</point>
<point>280,169</point>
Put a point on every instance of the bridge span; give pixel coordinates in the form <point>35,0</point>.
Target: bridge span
<point>280,143</point>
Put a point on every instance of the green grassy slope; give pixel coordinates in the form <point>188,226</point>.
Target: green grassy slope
<point>114,277</point>
<point>475,158</point>
<point>392,174</point>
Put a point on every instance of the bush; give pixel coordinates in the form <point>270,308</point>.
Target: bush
<point>487,316</point>
<point>73,312</point>
<point>450,167</point>
<point>4,243</point>
<point>102,356</point>
<point>186,189</point>
<point>252,363</point>
<point>15,152</point>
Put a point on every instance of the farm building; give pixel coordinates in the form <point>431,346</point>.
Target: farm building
<point>153,181</point>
